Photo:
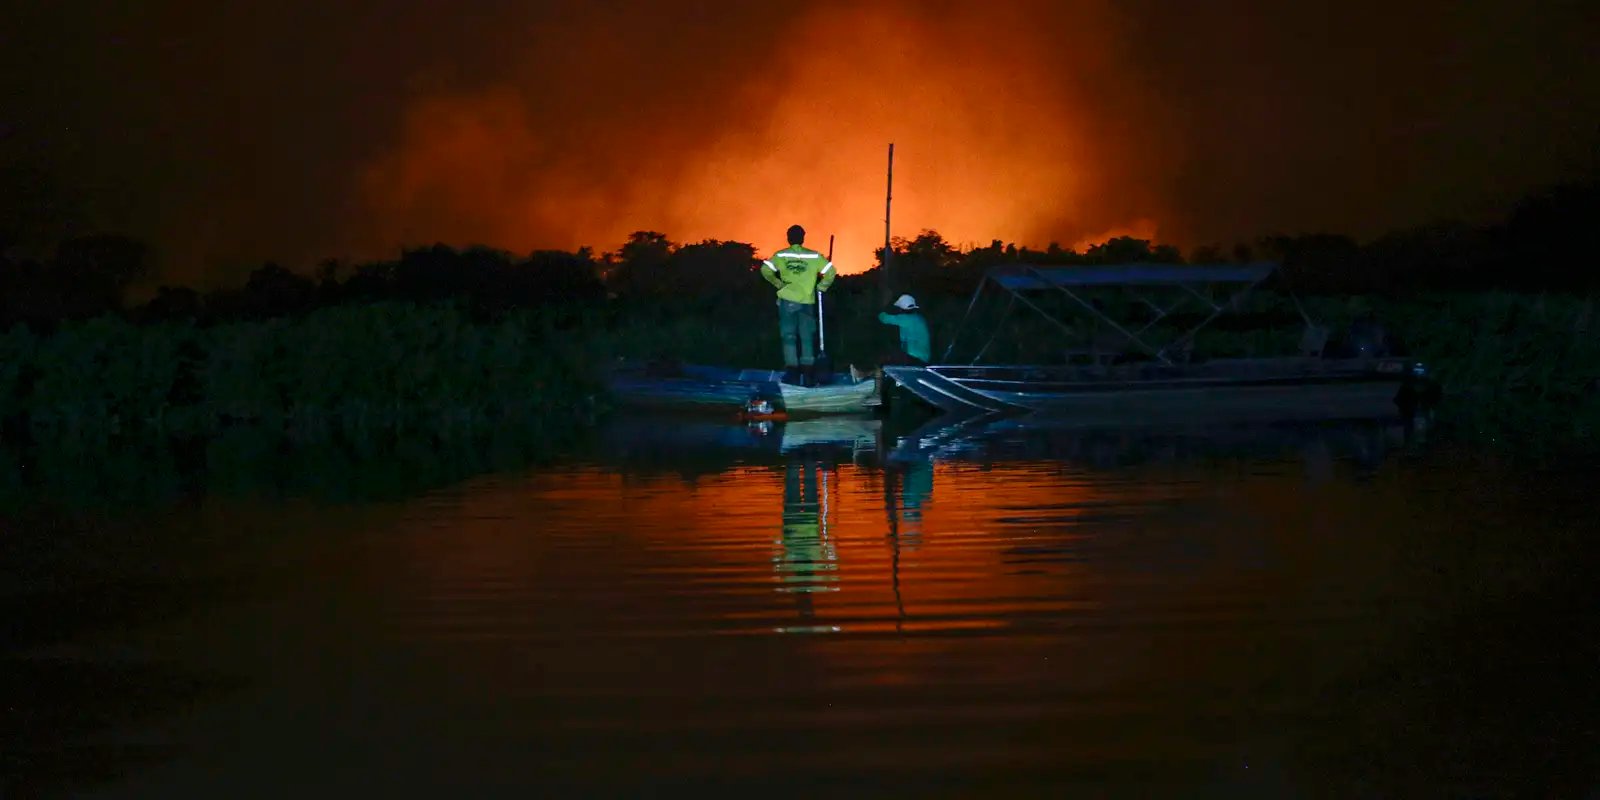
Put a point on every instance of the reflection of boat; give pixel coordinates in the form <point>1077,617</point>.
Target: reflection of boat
<point>1046,437</point>
<point>698,386</point>
<point>1165,382</point>
<point>857,433</point>
<point>677,438</point>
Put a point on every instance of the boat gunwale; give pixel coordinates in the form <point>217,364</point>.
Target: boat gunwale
<point>719,387</point>
<point>1099,387</point>
<point>984,395</point>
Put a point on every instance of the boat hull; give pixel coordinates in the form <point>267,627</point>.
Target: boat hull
<point>1039,436</point>
<point>1254,391</point>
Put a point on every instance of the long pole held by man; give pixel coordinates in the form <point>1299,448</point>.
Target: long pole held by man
<point>824,365</point>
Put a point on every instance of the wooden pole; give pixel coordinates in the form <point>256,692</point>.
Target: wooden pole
<point>822,331</point>
<point>886,281</point>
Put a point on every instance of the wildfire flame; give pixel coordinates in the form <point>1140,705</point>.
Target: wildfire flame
<point>984,147</point>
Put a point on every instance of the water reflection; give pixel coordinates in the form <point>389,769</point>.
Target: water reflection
<point>907,488</point>
<point>808,561</point>
<point>985,608</point>
<point>246,461</point>
<point>1044,491</point>
<point>1362,443</point>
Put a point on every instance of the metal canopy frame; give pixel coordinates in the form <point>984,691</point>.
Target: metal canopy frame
<point>1019,278</point>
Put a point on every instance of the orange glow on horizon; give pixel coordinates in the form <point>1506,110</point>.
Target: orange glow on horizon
<point>1138,229</point>
<point>984,149</point>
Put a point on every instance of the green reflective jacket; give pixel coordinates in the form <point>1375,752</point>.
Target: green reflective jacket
<point>798,273</point>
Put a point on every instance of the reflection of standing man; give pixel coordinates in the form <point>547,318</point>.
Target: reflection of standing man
<point>808,558</point>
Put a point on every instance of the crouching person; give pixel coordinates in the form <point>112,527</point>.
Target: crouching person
<point>915,346</point>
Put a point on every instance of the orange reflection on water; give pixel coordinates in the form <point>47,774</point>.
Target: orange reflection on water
<point>802,544</point>
<point>622,622</point>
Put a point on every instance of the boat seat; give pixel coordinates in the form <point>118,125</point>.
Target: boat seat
<point>776,376</point>
<point>760,375</point>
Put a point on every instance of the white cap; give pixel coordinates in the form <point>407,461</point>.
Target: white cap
<point>906,302</point>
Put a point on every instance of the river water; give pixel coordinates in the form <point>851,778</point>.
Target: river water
<point>1001,609</point>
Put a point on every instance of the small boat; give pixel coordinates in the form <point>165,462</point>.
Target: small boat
<point>1283,389</point>
<point>1156,379</point>
<point>710,387</point>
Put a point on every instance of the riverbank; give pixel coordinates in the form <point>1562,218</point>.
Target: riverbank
<point>357,370</point>
<point>441,372</point>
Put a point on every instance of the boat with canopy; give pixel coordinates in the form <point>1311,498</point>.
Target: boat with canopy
<point>1110,370</point>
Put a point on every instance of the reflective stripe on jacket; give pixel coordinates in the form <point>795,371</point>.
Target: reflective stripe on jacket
<point>798,273</point>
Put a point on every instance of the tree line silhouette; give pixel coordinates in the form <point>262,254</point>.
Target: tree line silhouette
<point>1546,244</point>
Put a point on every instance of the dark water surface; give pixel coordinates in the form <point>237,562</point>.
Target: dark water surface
<point>1010,610</point>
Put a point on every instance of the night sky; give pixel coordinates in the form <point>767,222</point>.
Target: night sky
<point>228,134</point>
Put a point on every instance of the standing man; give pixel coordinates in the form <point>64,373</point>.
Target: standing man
<point>798,273</point>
